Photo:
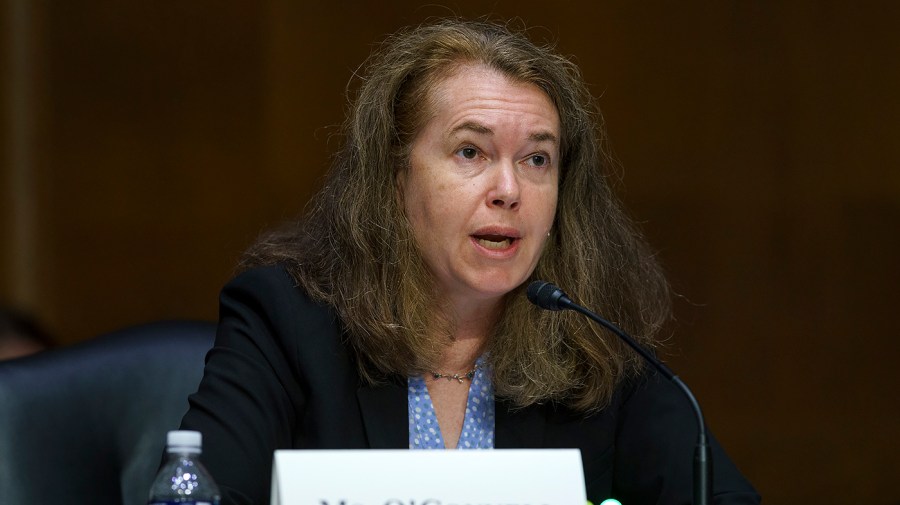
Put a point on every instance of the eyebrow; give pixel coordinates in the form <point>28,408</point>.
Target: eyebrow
<point>484,130</point>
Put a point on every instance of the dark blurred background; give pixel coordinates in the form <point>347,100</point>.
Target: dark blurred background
<point>145,144</point>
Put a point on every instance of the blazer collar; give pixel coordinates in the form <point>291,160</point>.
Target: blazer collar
<point>519,428</point>
<point>385,415</point>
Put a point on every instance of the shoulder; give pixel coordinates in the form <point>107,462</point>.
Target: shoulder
<point>272,281</point>
<point>272,289</point>
<point>269,300</point>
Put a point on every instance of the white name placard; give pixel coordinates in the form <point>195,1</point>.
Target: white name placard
<point>404,477</point>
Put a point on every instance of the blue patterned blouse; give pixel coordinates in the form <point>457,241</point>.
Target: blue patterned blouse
<point>478,424</point>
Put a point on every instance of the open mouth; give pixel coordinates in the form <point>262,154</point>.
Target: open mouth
<point>494,241</point>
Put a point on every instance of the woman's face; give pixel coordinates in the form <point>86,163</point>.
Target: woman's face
<point>482,184</point>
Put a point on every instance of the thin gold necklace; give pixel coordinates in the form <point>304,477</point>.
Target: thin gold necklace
<point>457,377</point>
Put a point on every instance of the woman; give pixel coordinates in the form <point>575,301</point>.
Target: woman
<point>392,316</point>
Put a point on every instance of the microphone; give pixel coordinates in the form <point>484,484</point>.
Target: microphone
<point>548,296</point>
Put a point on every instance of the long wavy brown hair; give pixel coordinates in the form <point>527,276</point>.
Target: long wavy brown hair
<point>354,249</point>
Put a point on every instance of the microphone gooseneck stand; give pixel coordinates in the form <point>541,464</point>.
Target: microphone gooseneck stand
<point>550,297</point>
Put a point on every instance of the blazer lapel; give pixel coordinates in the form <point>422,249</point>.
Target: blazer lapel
<point>385,415</point>
<point>519,428</point>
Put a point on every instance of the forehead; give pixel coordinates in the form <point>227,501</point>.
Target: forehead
<point>478,92</point>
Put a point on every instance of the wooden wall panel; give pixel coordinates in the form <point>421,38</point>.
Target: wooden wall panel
<point>150,154</point>
<point>758,141</point>
<point>18,210</point>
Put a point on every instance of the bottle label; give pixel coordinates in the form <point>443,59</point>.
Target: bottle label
<point>180,502</point>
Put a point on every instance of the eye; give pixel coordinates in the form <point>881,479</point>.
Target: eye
<point>468,153</point>
<point>538,160</point>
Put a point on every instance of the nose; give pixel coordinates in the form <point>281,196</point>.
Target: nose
<point>506,191</point>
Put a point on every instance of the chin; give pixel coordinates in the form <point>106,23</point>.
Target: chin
<point>498,287</point>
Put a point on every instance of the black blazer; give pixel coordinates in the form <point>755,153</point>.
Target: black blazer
<point>280,376</point>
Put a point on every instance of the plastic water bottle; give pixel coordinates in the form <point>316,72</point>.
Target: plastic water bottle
<point>183,480</point>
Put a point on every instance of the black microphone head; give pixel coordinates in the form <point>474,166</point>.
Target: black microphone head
<point>546,295</point>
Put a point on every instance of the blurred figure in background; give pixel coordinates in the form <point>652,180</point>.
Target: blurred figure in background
<point>21,334</point>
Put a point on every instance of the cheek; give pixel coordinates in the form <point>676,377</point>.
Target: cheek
<point>433,200</point>
<point>548,210</point>
<point>552,211</point>
<point>422,206</point>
